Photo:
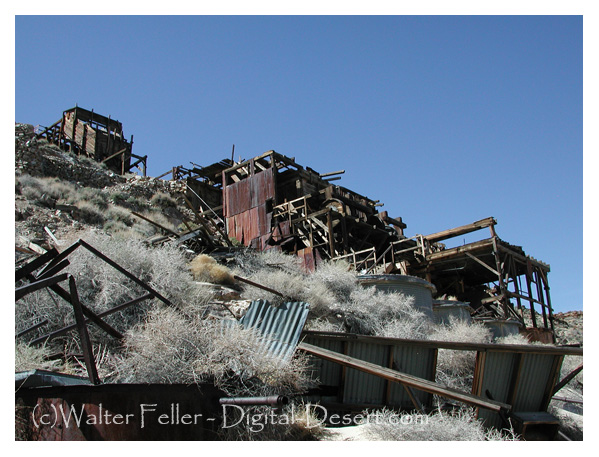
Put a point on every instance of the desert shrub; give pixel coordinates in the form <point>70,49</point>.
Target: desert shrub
<point>89,213</point>
<point>44,191</point>
<point>385,314</point>
<point>337,277</point>
<point>117,197</point>
<point>205,268</point>
<point>163,200</point>
<point>171,348</point>
<point>456,368</point>
<point>516,338</point>
<point>120,214</point>
<point>102,287</point>
<point>270,260</point>
<point>460,425</point>
<point>91,195</point>
<point>323,325</point>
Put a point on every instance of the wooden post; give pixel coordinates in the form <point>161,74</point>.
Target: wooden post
<point>529,287</point>
<point>502,288</point>
<point>541,296</point>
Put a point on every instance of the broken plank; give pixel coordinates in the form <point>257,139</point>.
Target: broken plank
<point>462,230</point>
<point>36,263</point>
<point>155,223</point>
<point>20,292</point>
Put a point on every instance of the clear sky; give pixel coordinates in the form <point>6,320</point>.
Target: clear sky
<point>444,119</point>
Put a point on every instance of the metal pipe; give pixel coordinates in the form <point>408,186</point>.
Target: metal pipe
<point>274,401</point>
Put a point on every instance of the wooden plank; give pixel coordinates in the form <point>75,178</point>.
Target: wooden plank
<point>68,328</point>
<point>402,378</point>
<point>458,251</point>
<point>567,379</point>
<point>462,230</point>
<point>36,263</point>
<point>167,230</point>
<point>20,292</point>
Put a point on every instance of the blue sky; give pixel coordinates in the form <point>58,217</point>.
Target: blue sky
<point>445,119</point>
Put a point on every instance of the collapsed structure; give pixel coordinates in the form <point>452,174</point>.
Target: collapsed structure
<point>272,202</point>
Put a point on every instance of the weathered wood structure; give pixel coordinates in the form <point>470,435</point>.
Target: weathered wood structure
<point>272,202</point>
<point>96,136</point>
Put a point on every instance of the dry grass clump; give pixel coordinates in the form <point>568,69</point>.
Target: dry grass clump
<point>515,338</point>
<point>163,200</point>
<point>373,312</point>
<point>456,368</point>
<point>460,425</point>
<point>170,348</point>
<point>205,268</point>
<point>34,358</point>
<point>89,213</point>
<point>37,188</point>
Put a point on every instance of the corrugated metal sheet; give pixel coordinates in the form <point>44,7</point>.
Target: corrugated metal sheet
<point>362,387</point>
<point>533,381</point>
<point>497,373</point>
<point>282,324</point>
<point>534,377</point>
<point>417,361</point>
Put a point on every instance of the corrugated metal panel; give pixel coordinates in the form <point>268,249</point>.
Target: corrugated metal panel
<point>416,361</point>
<point>362,387</point>
<point>534,378</point>
<point>498,371</point>
<point>328,374</point>
<point>282,324</point>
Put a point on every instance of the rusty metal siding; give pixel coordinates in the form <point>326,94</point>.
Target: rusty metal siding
<point>249,193</point>
<point>246,209</point>
<point>282,325</point>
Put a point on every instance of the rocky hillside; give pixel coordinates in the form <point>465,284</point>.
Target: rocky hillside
<point>58,194</point>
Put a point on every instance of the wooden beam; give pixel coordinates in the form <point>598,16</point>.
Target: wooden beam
<point>567,379</point>
<point>462,230</point>
<point>167,230</point>
<point>402,378</point>
<point>476,259</point>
